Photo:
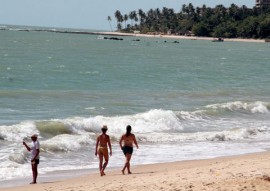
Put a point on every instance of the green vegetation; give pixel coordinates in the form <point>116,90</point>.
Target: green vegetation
<point>232,22</point>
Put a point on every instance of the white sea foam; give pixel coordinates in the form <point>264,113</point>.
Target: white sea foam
<point>149,122</point>
<point>153,126</point>
<point>253,107</point>
<point>259,107</point>
<point>17,132</point>
<point>68,142</point>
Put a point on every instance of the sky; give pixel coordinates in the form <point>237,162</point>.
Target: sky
<point>88,14</point>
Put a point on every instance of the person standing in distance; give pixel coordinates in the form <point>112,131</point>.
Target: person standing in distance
<point>103,141</point>
<point>128,138</point>
<point>34,149</point>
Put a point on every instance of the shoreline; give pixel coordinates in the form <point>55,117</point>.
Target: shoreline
<point>176,37</point>
<point>234,173</point>
<point>59,175</point>
<point>180,37</point>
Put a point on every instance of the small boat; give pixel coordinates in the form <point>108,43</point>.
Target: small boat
<point>218,40</point>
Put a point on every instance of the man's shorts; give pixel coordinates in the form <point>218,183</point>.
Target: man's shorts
<point>36,161</point>
<point>104,152</point>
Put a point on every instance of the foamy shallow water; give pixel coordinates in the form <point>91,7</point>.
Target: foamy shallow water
<point>84,160</point>
<point>164,136</point>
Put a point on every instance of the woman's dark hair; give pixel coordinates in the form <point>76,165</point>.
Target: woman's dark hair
<point>128,130</point>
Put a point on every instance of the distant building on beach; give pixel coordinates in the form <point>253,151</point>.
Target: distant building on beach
<point>136,32</point>
<point>262,3</point>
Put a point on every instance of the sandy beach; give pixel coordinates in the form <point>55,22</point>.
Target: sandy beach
<point>180,37</point>
<point>247,173</point>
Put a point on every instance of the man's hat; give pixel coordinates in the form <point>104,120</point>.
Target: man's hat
<point>34,135</point>
<point>104,127</point>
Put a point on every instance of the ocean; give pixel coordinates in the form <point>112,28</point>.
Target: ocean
<point>190,100</point>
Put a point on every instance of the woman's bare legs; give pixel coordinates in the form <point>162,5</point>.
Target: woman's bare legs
<point>127,164</point>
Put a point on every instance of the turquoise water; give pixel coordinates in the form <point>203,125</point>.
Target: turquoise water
<point>46,74</point>
<point>196,93</point>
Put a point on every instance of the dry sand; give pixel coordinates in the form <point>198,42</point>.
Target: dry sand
<point>238,173</point>
<point>180,37</point>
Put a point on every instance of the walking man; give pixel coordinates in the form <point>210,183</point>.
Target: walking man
<point>103,141</point>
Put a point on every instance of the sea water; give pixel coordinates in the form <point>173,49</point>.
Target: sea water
<point>189,100</point>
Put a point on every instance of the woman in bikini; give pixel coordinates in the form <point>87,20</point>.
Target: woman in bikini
<point>102,149</point>
<point>128,138</point>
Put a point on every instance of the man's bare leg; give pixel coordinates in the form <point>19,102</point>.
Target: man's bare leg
<point>35,173</point>
<point>104,166</point>
<point>100,163</point>
<point>106,157</point>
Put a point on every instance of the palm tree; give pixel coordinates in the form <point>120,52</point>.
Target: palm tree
<point>184,9</point>
<point>141,15</point>
<point>133,16</point>
<point>150,18</point>
<point>157,13</point>
<point>233,12</point>
<point>203,10</point>
<point>125,19</point>
<point>119,26</point>
<point>119,19</point>
<point>109,20</point>
<point>220,12</point>
<point>191,9</point>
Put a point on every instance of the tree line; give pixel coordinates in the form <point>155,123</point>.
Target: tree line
<point>231,22</point>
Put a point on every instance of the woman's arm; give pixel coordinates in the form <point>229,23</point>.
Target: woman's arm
<point>120,142</point>
<point>110,146</point>
<point>97,145</point>
<point>135,141</point>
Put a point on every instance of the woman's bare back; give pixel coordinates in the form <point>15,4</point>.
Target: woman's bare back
<point>129,140</point>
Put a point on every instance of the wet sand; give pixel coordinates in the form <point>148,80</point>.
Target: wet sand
<point>180,37</point>
<point>249,172</point>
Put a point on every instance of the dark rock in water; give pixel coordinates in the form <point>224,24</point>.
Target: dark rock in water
<point>113,38</point>
<point>171,42</point>
<point>10,79</point>
<point>136,40</point>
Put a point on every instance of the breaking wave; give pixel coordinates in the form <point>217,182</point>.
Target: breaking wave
<point>157,125</point>
<point>239,106</point>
